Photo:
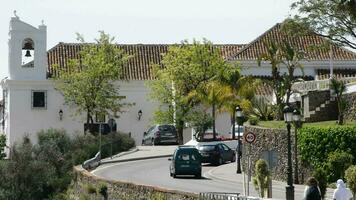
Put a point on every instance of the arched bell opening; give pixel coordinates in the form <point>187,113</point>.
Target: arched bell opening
<point>28,53</point>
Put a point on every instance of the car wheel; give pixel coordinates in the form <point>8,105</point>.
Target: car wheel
<point>233,158</point>
<point>174,176</point>
<point>198,175</point>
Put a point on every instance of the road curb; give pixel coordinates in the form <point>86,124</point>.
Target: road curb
<point>209,174</point>
<point>132,150</point>
<point>134,159</point>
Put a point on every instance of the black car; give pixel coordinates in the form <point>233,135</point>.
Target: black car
<point>160,134</point>
<point>216,154</point>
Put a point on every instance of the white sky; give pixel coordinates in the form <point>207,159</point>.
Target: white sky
<point>144,21</point>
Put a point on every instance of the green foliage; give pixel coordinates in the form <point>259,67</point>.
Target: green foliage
<point>90,188</point>
<point>186,68</point>
<point>262,176</point>
<point>103,190</point>
<point>254,120</point>
<point>43,171</point>
<point>350,175</point>
<point>201,122</point>
<point>316,143</point>
<point>88,84</point>
<point>338,88</point>
<point>2,146</point>
<point>336,165</point>
<point>321,175</point>
<point>335,20</point>
<point>262,108</point>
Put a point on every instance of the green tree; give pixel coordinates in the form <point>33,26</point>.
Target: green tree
<point>242,91</point>
<point>274,57</point>
<point>88,84</point>
<point>336,165</point>
<point>213,94</point>
<point>2,146</point>
<point>338,88</point>
<point>186,67</point>
<point>200,121</point>
<point>332,19</point>
<point>290,57</point>
<point>350,175</point>
<point>262,176</point>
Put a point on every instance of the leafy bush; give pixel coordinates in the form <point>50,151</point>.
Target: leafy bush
<point>103,190</point>
<point>43,171</point>
<point>315,143</point>
<point>262,108</point>
<point>350,175</point>
<point>321,175</point>
<point>90,188</point>
<point>253,120</point>
<point>2,146</point>
<point>262,176</point>
<point>336,165</point>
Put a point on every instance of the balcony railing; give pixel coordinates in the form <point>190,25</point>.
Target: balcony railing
<point>317,85</point>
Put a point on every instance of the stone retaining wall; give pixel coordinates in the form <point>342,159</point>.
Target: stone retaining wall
<point>350,111</point>
<point>274,141</point>
<point>87,186</point>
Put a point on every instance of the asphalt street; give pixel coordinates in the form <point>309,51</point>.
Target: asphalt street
<point>155,172</point>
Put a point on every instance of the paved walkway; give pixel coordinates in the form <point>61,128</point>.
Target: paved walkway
<point>226,172</point>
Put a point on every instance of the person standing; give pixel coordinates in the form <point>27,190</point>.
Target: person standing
<point>312,191</point>
<point>341,192</point>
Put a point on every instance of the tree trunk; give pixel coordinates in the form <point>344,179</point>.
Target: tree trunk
<point>180,131</point>
<point>213,115</point>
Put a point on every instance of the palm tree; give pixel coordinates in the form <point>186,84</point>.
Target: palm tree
<point>213,94</point>
<point>242,90</point>
<point>274,57</point>
<point>338,88</point>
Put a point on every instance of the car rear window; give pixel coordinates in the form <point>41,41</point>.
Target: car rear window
<point>187,156</point>
<point>207,147</point>
<point>166,128</point>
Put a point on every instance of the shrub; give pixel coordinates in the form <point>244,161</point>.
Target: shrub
<point>90,188</point>
<point>315,144</point>
<point>336,165</point>
<point>321,175</point>
<point>350,175</point>
<point>262,176</point>
<point>253,120</point>
<point>103,190</point>
<point>2,146</point>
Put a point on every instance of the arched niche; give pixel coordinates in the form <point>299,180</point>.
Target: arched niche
<point>28,53</point>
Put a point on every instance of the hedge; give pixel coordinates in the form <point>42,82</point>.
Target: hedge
<point>316,143</point>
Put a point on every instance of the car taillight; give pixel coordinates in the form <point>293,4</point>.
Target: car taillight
<point>157,134</point>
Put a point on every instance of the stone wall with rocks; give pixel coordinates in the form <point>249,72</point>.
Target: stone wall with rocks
<point>88,186</point>
<point>350,111</point>
<point>271,145</point>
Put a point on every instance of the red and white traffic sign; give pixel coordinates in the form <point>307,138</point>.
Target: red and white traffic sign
<point>250,137</point>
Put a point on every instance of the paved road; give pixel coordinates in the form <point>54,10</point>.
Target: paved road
<point>155,172</point>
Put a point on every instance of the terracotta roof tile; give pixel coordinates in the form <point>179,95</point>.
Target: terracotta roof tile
<point>138,68</point>
<point>304,43</point>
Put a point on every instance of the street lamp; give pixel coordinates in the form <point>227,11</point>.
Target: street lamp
<point>297,118</point>
<point>288,118</point>
<point>239,117</point>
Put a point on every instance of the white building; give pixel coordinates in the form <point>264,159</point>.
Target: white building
<point>31,103</point>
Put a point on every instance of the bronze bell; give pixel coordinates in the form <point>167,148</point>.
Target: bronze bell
<point>28,53</point>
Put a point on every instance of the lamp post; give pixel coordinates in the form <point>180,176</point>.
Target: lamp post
<point>239,117</point>
<point>297,124</point>
<point>288,117</point>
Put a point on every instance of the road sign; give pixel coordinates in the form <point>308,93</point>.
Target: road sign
<point>250,137</point>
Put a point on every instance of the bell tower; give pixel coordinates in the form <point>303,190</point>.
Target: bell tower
<point>27,51</point>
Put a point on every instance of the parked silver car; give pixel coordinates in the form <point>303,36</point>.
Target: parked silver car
<point>160,134</point>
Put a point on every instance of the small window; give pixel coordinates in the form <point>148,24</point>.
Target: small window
<point>39,99</point>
